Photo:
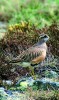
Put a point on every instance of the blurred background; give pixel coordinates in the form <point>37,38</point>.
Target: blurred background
<point>38,12</point>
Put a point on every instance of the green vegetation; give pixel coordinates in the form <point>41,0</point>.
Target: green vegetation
<point>40,13</point>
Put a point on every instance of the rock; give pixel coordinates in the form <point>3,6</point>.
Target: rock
<point>46,83</point>
<point>7,82</point>
<point>25,82</point>
<point>51,74</point>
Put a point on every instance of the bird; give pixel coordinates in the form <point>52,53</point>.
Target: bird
<point>34,54</point>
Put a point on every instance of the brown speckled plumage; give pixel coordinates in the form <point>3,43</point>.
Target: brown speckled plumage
<point>34,54</point>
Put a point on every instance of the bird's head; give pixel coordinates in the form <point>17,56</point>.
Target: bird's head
<point>44,37</point>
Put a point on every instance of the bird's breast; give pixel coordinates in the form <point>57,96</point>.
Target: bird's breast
<point>42,50</point>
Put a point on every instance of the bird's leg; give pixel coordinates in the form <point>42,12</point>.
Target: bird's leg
<point>31,68</point>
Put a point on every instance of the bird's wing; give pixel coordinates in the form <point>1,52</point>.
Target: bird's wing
<point>27,55</point>
<point>30,55</point>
